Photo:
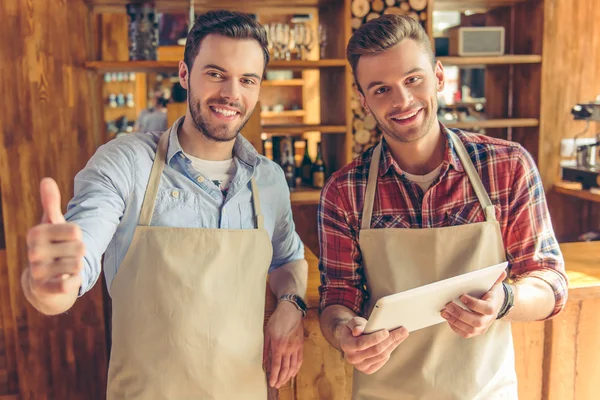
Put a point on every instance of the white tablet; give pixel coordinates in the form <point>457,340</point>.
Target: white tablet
<point>421,307</point>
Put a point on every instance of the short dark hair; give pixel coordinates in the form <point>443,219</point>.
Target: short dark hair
<point>379,34</point>
<point>230,24</point>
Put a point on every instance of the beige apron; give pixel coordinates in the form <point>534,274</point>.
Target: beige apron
<point>435,363</point>
<point>188,308</point>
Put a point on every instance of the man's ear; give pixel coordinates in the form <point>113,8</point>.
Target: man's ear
<point>439,75</point>
<point>363,101</point>
<point>184,75</point>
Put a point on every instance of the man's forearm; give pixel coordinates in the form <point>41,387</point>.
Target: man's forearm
<point>534,300</point>
<point>333,319</point>
<point>290,278</point>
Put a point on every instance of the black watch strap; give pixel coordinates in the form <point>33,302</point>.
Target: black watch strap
<point>296,300</point>
<point>509,300</point>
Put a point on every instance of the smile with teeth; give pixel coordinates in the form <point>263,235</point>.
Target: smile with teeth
<point>227,113</point>
<point>408,116</point>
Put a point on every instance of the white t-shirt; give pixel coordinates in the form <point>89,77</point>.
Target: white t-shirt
<point>424,181</point>
<point>219,172</point>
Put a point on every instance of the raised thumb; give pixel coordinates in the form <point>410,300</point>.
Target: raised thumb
<point>50,196</point>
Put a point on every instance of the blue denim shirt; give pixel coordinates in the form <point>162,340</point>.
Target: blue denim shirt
<point>109,192</point>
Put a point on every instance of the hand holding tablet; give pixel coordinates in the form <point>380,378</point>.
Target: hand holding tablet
<point>421,307</point>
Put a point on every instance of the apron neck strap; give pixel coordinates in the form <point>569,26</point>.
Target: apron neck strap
<point>463,155</point>
<point>371,188</point>
<point>258,217</point>
<point>157,168</point>
<point>153,182</point>
<point>484,199</point>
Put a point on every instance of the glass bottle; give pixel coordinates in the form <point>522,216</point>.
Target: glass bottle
<point>287,162</point>
<point>306,166</point>
<point>318,169</point>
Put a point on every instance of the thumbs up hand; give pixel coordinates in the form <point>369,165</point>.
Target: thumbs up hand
<point>55,252</point>
<point>50,195</point>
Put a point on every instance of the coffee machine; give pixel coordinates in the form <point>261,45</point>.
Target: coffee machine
<point>587,166</point>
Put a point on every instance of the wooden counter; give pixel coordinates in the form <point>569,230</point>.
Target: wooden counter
<point>572,356</point>
<point>575,189</point>
<point>555,360</point>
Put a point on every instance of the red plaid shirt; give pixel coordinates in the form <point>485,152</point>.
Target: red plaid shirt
<point>510,177</point>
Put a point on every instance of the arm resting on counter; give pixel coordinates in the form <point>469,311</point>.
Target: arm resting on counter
<point>333,319</point>
<point>290,278</point>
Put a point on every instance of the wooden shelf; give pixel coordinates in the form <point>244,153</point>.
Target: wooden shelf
<point>149,66</point>
<point>183,6</point>
<point>494,123</point>
<point>476,5</point>
<point>305,195</point>
<point>282,114</point>
<point>492,60</point>
<point>307,64</point>
<point>283,82</point>
<point>136,66</point>
<point>301,128</point>
<point>574,189</point>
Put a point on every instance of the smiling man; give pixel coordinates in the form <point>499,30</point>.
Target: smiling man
<point>190,222</point>
<point>425,204</point>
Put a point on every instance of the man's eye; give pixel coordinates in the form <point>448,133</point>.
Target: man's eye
<point>381,90</point>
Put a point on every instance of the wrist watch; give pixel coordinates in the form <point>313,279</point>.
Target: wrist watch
<point>509,300</point>
<point>295,300</point>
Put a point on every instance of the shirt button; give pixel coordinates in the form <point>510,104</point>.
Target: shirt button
<point>175,193</point>
<point>200,179</point>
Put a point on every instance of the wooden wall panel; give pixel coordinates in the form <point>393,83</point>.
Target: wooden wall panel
<point>529,341</point>
<point>112,31</point>
<point>305,219</point>
<point>571,55</point>
<point>49,126</point>
<point>574,352</point>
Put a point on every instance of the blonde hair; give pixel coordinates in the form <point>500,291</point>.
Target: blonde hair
<point>379,34</point>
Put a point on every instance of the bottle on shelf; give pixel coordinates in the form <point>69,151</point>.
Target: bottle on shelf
<point>287,162</point>
<point>112,100</point>
<point>306,166</point>
<point>276,150</point>
<point>130,101</point>
<point>318,169</point>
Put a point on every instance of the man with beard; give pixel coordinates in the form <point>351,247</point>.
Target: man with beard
<point>425,204</point>
<point>190,221</point>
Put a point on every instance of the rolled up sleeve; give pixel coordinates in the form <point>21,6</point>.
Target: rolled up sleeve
<point>342,281</point>
<point>531,247</point>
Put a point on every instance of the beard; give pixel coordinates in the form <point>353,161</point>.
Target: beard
<point>218,132</point>
<point>412,133</point>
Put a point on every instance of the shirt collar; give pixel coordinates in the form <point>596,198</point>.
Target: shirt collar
<point>242,148</point>
<point>387,162</point>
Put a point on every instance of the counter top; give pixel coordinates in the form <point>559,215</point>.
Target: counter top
<point>582,262</point>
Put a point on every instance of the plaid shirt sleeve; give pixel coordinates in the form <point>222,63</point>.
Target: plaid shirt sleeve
<point>532,248</point>
<point>342,281</point>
